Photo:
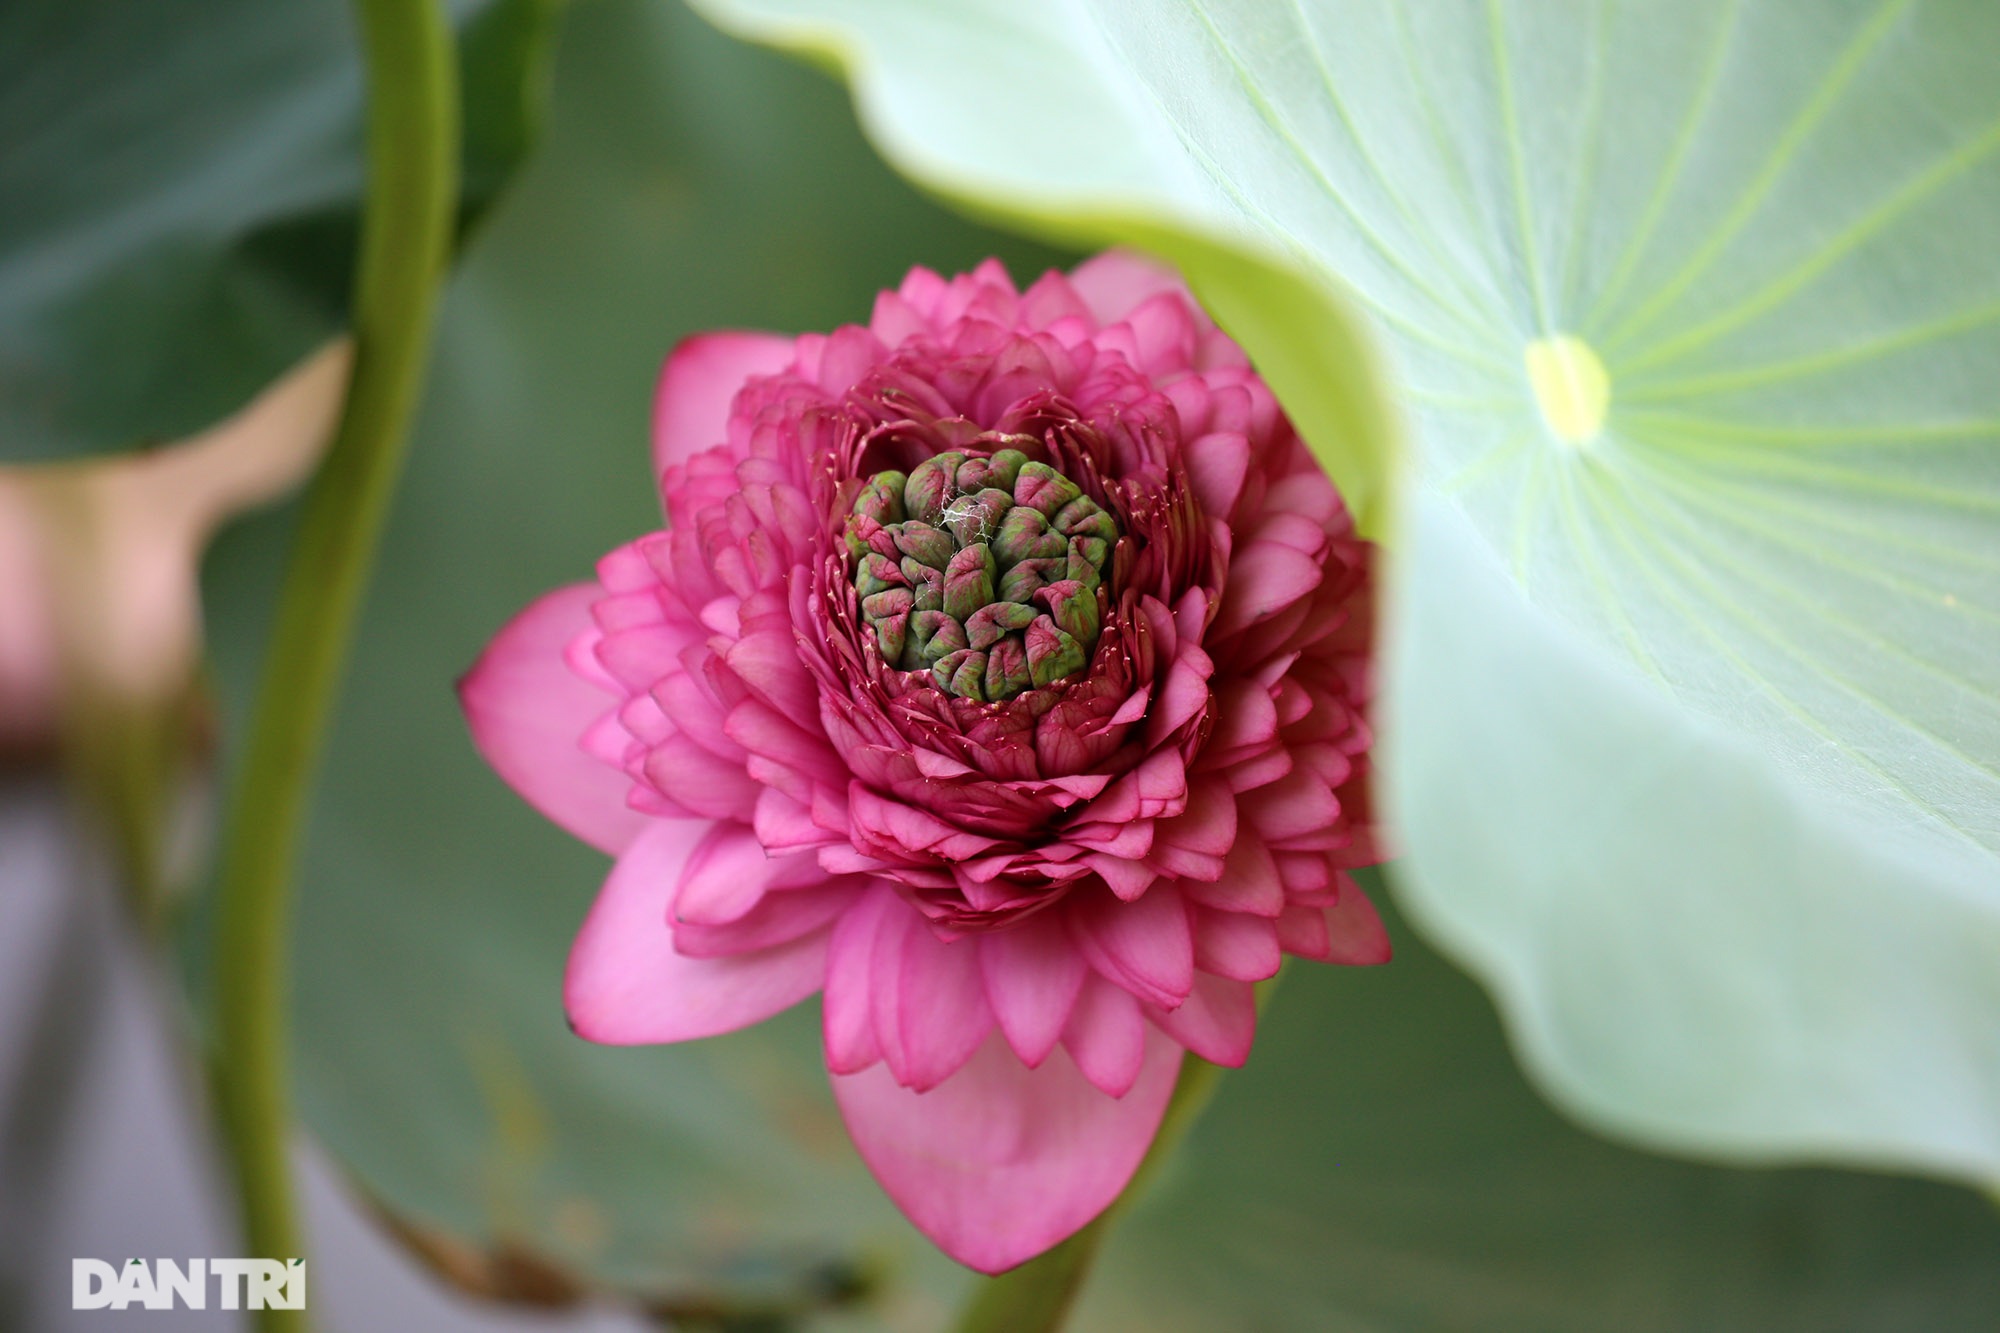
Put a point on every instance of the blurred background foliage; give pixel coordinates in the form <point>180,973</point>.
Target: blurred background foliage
<point>182,188</point>
<point>1380,1163</point>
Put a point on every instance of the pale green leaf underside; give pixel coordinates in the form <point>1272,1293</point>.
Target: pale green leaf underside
<point>1695,699</point>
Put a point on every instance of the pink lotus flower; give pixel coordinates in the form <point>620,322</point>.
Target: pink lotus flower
<point>1000,673</point>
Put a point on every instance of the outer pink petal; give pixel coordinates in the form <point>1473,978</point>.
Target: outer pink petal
<point>702,375</point>
<point>886,995</point>
<point>627,985</point>
<point>1164,335</point>
<point>1117,282</point>
<point>701,781</point>
<point>1146,945</point>
<point>725,876</point>
<point>1297,805</point>
<point>1238,945</point>
<point>1125,877</point>
<point>1217,1022</point>
<point>942,1016</point>
<point>1106,1036</point>
<point>895,319</point>
<point>1032,974</point>
<point>999,1162</point>
<point>1303,930</point>
<point>1051,298</point>
<point>528,713</point>
<point>848,1012</point>
<point>1250,881</point>
<point>1355,935</point>
<point>1217,465</point>
<point>1265,578</point>
<point>779,919</point>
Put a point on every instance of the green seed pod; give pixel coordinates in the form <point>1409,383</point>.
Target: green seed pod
<point>877,572</point>
<point>888,602</point>
<point>995,620</point>
<point>999,472</point>
<point>922,628</point>
<point>859,528</point>
<point>1024,535</point>
<point>1073,607</point>
<point>975,518</point>
<point>1052,654</point>
<point>1086,559</point>
<point>936,634</point>
<point>1007,669</point>
<point>963,673</point>
<point>892,636</point>
<point>931,486</point>
<point>924,543</point>
<point>1082,517</point>
<point>1020,581</point>
<point>992,593</point>
<point>968,581</point>
<point>882,498</point>
<point>1041,487</point>
<point>926,583</point>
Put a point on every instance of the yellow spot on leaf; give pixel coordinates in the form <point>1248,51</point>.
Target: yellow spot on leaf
<point>1570,387</point>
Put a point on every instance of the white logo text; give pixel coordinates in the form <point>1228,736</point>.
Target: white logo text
<point>163,1284</point>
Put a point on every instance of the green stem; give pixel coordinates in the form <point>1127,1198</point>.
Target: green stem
<point>1036,1297</point>
<point>405,241</point>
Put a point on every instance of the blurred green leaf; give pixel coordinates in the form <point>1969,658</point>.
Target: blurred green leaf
<point>1379,1164</point>
<point>1693,730</point>
<point>505,54</point>
<point>182,186</point>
